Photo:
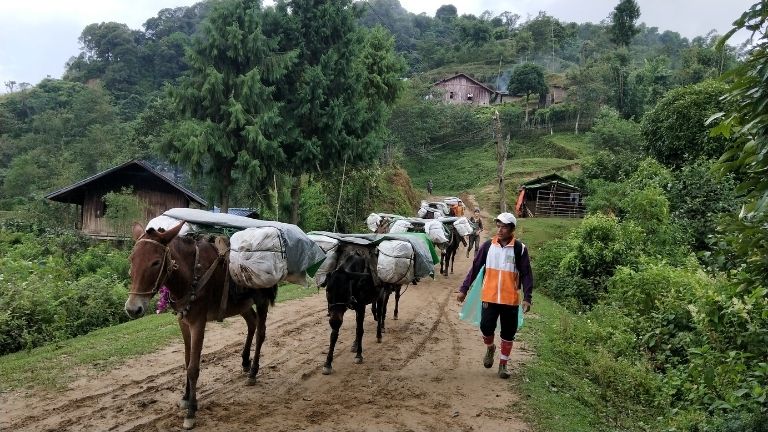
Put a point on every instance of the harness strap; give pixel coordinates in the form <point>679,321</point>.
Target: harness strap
<point>168,266</point>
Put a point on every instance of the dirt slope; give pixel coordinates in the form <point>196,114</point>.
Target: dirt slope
<point>425,376</point>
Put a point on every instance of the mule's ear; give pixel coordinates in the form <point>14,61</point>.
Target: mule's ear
<point>137,230</point>
<point>169,235</point>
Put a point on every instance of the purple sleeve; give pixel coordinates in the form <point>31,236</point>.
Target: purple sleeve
<point>477,264</point>
<point>526,275</point>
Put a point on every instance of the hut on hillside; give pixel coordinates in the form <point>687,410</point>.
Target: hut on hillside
<point>463,89</point>
<point>550,195</point>
<point>156,192</point>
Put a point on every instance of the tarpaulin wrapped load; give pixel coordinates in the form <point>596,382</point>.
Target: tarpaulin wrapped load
<point>400,226</point>
<point>435,231</point>
<point>302,254</point>
<point>395,262</point>
<point>167,223</point>
<point>422,212</point>
<point>257,257</point>
<point>451,201</point>
<point>373,221</point>
<point>463,227</point>
<point>330,246</point>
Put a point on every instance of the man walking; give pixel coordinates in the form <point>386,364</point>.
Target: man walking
<point>507,266</point>
<point>476,222</point>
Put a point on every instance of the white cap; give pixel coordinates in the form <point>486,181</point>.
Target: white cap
<point>506,218</point>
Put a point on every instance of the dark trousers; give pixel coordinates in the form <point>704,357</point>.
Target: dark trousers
<point>474,240</point>
<point>507,314</point>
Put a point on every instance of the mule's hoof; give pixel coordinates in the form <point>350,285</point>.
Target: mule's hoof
<point>395,318</point>
<point>327,370</point>
<point>251,381</point>
<point>353,349</point>
<point>189,423</point>
<point>358,360</point>
<point>183,404</point>
<point>378,340</point>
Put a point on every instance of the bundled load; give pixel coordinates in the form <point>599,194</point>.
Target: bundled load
<point>257,257</point>
<point>463,227</point>
<point>373,222</point>
<point>165,223</point>
<point>265,252</point>
<point>435,231</point>
<point>395,262</point>
<point>330,246</point>
<point>400,226</point>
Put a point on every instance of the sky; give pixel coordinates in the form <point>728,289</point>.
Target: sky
<point>37,37</point>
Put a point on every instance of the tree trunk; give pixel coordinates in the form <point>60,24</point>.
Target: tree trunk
<point>578,116</point>
<point>295,198</point>
<point>226,182</point>
<point>501,157</point>
<point>526,111</point>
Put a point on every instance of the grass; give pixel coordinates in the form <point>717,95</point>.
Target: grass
<point>535,232</point>
<point>99,350</point>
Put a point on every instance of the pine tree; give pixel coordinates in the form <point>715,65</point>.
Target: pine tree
<point>232,131</point>
<point>623,19</point>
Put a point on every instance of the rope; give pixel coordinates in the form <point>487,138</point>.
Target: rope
<point>341,189</point>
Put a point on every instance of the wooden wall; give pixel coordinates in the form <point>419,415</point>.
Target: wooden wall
<point>456,90</point>
<point>95,224</point>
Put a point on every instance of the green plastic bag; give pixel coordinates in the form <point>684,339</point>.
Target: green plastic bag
<point>473,304</point>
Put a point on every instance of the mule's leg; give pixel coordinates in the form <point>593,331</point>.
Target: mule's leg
<point>397,299</point>
<point>261,334</point>
<point>250,318</point>
<point>184,402</point>
<point>443,264</point>
<point>197,334</point>
<point>360,318</point>
<point>336,314</point>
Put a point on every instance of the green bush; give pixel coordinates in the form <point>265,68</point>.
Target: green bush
<point>611,132</point>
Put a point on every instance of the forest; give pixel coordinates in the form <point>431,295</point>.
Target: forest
<point>267,107</point>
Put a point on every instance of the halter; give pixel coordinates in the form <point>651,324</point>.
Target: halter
<point>168,266</point>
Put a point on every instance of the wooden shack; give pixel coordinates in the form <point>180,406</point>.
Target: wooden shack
<point>156,192</point>
<point>462,89</point>
<point>549,196</point>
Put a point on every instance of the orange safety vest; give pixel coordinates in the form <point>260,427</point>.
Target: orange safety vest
<point>501,281</point>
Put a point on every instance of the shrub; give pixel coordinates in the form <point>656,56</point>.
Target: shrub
<point>613,133</point>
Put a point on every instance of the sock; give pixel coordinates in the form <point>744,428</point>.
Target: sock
<point>506,348</point>
<point>488,340</point>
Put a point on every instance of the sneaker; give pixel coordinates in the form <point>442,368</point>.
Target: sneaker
<point>488,359</point>
<point>503,372</point>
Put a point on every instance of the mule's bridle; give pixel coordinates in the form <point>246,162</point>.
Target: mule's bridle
<point>168,266</point>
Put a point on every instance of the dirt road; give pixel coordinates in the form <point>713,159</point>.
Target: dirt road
<point>425,376</point>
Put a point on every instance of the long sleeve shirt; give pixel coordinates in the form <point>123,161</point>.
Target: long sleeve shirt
<point>523,267</point>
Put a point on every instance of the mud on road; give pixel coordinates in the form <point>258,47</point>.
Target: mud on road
<point>426,375</point>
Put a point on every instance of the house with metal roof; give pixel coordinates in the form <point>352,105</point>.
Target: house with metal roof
<point>550,195</point>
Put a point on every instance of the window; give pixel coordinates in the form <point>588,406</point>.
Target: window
<point>451,95</point>
<point>469,96</point>
<point>101,208</point>
<point>574,197</point>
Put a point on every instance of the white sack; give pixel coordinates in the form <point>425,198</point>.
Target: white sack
<point>395,262</point>
<point>462,226</point>
<point>166,223</point>
<point>434,230</point>
<point>400,226</point>
<point>257,257</point>
<point>422,212</point>
<point>373,221</point>
<point>330,246</point>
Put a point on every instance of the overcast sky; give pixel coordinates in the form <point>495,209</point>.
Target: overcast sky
<point>37,37</point>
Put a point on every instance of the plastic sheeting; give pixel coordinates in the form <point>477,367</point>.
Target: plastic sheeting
<point>302,254</point>
<point>400,226</point>
<point>435,231</point>
<point>330,246</point>
<point>463,226</point>
<point>373,221</point>
<point>257,257</point>
<point>167,223</point>
<point>395,262</point>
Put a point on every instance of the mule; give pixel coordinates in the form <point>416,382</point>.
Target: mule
<point>352,285</point>
<point>196,274</point>
<point>448,250</point>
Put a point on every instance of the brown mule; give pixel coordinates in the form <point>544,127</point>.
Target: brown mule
<point>196,274</point>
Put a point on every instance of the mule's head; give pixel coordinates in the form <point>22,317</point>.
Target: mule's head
<point>151,264</point>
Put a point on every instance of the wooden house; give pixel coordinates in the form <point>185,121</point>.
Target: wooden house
<point>156,192</point>
<point>549,195</point>
<point>462,89</point>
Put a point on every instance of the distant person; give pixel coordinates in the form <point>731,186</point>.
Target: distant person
<point>429,186</point>
<point>507,266</point>
<point>476,222</point>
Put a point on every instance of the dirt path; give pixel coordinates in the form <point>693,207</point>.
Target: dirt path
<point>425,376</point>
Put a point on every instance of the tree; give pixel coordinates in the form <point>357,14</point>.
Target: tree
<point>527,79</point>
<point>623,19</point>
<point>446,12</point>
<point>674,130</point>
<point>334,96</point>
<point>232,129</point>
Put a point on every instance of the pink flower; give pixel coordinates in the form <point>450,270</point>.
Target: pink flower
<point>165,297</point>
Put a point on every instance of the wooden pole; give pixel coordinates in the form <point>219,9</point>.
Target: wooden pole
<point>501,158</point>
